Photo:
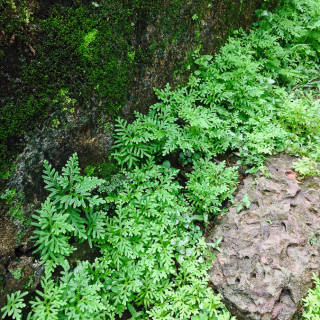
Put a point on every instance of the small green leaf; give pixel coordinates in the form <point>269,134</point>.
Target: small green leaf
<point>166,164</point>
<point>215,245</point>
<point>246,201</point>
<point>239,207</point>
<point>131,309</point>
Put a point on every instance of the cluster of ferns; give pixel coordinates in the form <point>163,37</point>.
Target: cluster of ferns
<point>254,98</point>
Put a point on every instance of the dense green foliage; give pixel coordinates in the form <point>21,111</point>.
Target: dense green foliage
<point>152,254</point>
<point>306,167</point>
<point>256,97</point>
<point>238,100</point>
<point>209,185</point>
<point>312,302</point>
<point>14,305</point>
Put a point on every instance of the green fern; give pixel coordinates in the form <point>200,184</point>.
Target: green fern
<point>209,185</point>
<point>14,305</point>
<point>51,233</point>
<point>312,302</point>
<point>70,210</point>
<point>71,189</point>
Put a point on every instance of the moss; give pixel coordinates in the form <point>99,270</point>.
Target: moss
<point>16,273</point>
<point>104,169</point>
<point>85,51</point>
<point>13,207</point>
<point>82,50</point>
<point>78,47</point>
<point>29,282</point>
<point>14,17</point>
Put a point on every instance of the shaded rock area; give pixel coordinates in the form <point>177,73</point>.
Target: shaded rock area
<point>79,133</point>
<point>23,273</point>
<point>270,250</point>
<point>7,241</point>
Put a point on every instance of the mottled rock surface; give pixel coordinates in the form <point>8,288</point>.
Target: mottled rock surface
<point>269,251</point>
<point>218,21</point>
<point>23,274</point>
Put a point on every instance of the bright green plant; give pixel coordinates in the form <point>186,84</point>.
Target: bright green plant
<point>209,185</point>
<point>312,302</point>
<point>235,100</point>
<point>152,254</point>
<point>8,195</point>
<point>74,296</point>
<point>188,157</point>
<point>16,273</point>
<point>70,210</point>
<point>51,233</point>
<point>306,167</point>
<point>14,305</point>
<point>244,202</point>
<point>151,230</point>
<point>300,116</point>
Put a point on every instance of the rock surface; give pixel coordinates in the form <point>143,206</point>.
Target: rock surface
<point>79,133</point>
<point>23,274</point>
<point>270,250</point>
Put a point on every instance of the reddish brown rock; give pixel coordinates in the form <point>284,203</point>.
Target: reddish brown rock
<point>269,251</point>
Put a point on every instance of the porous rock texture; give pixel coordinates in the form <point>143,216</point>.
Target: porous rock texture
<point>270,250</point>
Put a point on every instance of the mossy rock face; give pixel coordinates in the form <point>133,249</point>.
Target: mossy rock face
<point>71,67</point>
<point>71,57</point>
<point>173,34</point>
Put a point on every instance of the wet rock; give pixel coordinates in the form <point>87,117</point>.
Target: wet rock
<point>78,133</point>
<point>22,273</point>
<point>270,250</point>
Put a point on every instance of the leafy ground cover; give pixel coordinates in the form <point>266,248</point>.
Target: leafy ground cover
<point>256,97</point>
